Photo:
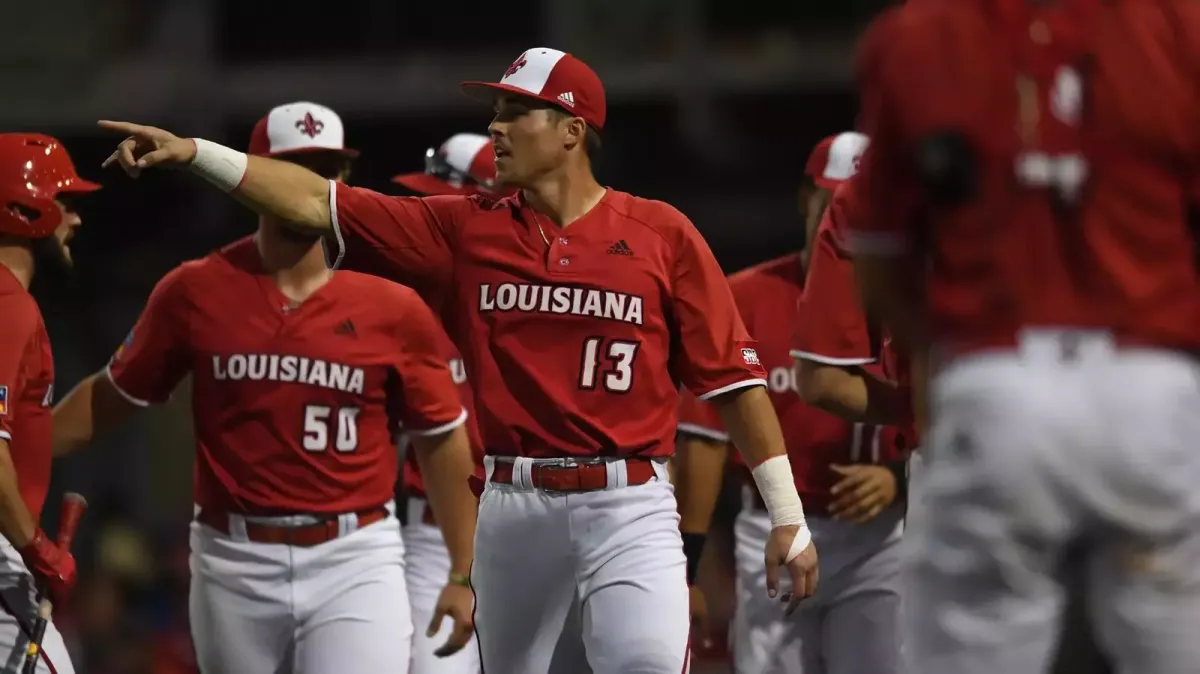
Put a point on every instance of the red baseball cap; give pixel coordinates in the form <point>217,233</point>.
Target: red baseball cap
<point>835,159</point>
<point>297,128</point>
<point>464,164</point>
<point>554,77</point>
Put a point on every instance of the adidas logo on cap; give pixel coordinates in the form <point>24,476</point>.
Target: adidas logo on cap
<point>567,98</point>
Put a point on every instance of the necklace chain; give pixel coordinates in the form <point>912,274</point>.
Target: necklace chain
<point>541,231</point>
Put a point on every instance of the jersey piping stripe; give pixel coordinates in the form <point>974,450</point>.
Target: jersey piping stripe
<point>5,435</point>
<point>337,230</point>
<point>136,401</point>
<point>702,431</point>
<point>736,385</point>
<point>828,360</point>
<point>444,428</point>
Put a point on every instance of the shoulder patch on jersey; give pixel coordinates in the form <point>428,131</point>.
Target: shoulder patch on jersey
<point>3,400</point>
<point>123,345</point>
<point>750,356</point>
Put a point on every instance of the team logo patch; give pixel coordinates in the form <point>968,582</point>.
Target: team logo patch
<point>3,400</point>
<point>750,356</point>
<point>123,345</point>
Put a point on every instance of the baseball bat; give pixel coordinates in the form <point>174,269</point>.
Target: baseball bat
<point>73,505</point>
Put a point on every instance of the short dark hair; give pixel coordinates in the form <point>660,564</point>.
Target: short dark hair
<point>592,141</point>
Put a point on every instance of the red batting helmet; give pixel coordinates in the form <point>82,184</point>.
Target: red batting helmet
<point>34,170</point>
<point>464,164</point>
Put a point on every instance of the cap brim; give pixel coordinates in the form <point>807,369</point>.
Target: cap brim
<point>344,152</point>
<point>827,183</point>
<point>488,91</point>
<point>80,186</point>
<point>423,183</point>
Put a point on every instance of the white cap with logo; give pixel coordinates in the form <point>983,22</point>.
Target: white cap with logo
<point>835,159</point>
<point>299,127</point>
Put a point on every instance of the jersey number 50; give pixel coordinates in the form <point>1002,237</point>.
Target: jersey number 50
<point>317,420</point>
<point>620,354</point>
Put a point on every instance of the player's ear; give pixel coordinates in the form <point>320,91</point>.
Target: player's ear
<point>575,132</point>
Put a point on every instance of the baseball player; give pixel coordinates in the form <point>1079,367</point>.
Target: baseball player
<point>464,164</point>
<point>850,476</point>
<point>301,376</point>
<point>578,309</point>
<point>830,163</point>
<point>845,360</point>
<point>38,185</point>
<point>1026,217</point>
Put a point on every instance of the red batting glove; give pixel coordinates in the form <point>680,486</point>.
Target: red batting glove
<point>53,567</point>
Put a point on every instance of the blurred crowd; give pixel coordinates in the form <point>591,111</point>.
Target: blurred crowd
<point>129,614</point>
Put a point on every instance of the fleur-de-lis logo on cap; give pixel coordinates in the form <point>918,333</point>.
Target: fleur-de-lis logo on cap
<point>516,65</point>
<point>310,126</point>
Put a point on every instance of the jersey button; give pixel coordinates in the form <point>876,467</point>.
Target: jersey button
<point>564,261</point>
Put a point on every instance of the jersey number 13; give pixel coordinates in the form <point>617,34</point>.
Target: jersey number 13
<point>608,363</point>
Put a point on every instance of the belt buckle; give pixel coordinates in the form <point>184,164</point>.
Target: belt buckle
<point>562,464</point>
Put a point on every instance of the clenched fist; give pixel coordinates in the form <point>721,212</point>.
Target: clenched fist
<point>802,569</point>
<point>147,147</point>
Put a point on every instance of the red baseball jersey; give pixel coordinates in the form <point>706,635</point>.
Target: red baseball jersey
<point>831,325</point>
<point>413,484</point>
<point>576,338</point>
<point>814,438</point>
<point>26,390</point>
<point>1078,215</point>
<point>296,406</point>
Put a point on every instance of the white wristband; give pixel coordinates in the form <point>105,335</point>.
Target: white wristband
<point>219,165</point>
<point>778,488</point>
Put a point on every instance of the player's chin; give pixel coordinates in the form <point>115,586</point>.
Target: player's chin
<point>52,256</point>
<point>507,174</point>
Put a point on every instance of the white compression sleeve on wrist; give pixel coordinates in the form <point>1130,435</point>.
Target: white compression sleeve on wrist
<point>219,165</point>
<point>778,488</point>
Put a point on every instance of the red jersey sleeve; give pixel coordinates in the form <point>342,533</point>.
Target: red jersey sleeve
<point>888,79</point>
<point>154,358</point>
<point>21,321</point>
<point>698,417</point>
<point>716,353</point>
<point>429,401</point>
<point>406,239</point>
<point>830,325</point>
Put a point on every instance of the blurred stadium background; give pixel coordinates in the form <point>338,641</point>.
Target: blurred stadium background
<point>713,106</point>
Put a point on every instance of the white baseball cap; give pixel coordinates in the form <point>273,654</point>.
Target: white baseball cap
<point>301,127</point>
<point>835,159</point>
<point>464,164</point>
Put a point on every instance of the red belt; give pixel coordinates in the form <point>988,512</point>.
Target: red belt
<point>579,477</point>
<point>303,536</point>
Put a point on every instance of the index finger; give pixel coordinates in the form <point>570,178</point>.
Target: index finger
<point>124,127</point>
<point>849,481</point>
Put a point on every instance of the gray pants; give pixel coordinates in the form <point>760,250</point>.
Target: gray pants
<point>1031,453</point>
<point>850,626</point>
<point>18,596</point>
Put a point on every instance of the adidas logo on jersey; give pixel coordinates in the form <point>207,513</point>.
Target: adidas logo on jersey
<point>620,248</point>
<point>346,327</point>
<point>567,98</point>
